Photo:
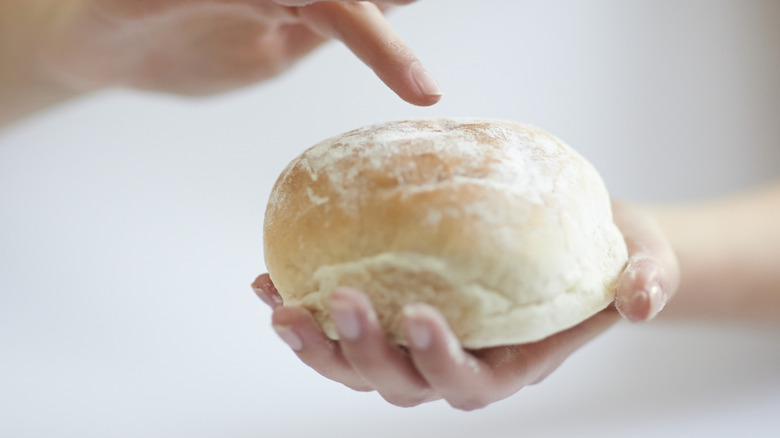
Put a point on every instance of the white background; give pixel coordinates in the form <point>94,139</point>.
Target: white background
<point>130,228</point>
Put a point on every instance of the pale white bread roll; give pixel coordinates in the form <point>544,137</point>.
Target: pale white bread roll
<point>501,226</point>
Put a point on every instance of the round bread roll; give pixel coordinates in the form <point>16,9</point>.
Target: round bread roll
<point>501,226</point>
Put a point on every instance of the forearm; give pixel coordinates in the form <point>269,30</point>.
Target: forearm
<point>25,86</point>
<point>729,253</point>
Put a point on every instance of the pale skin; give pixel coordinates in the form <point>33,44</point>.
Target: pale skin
<point>728,251</point>
<point>431,369</point>
<point>52,51</point>
<point>56,50</point>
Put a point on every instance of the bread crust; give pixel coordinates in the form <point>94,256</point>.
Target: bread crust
<point>501,226</point>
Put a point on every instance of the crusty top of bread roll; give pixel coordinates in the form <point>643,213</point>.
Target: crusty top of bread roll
<point>501,226</point>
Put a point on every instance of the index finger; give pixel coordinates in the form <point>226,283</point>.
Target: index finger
<point>362,27</point>
<point>309,2</point>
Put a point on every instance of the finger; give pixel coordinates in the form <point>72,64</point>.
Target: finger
<point>460,378</point>
<point>300,331</point>
<point>362,27</point>
<point>652,272</point>
<point>515,367</point>
<point>308,2</point>
<point>366,347</point>
<point>266,291</point>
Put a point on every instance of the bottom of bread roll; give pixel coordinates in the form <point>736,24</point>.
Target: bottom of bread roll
<point>479,317</point>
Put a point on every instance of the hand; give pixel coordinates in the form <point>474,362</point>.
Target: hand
<point>199,47</point>
<point>434,366</point>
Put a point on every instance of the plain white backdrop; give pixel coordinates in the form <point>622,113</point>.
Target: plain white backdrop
<point>131,228</point>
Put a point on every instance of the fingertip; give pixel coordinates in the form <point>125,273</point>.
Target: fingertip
<point>641,293</point>
<point>416,324</point>
<point>362,27</point>
<point>427,88</point>
<point>289,336</point>
<point>423,315</point>
<point>652,274</point>
<point>417,86</point>
<point>634,308</point>
<point>352,298</point>
<point>265,290</point>
<point>427,331</point>
<point>297,327</point>
<point>287,323</point>
<point>420,311</point>
<point>346,293</point>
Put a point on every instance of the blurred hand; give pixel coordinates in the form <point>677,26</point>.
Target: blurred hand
<point>197,47</point>
<point>434,366</point>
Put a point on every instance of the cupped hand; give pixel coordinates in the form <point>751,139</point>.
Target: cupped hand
<point>197,47</point>
<point>434,366</point>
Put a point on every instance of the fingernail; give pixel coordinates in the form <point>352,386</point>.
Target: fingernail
<point>273,301</point>
<point>657,299</point>
<point>289,337</point>
<point>425,82</point>
<point>346,319</point>
<point>263,295</point>
<point>634,307</point>
<point>419,333</point>
<point>640,303</point>
<point>645,304</point>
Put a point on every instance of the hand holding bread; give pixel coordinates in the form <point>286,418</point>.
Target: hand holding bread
<point>444,234</point>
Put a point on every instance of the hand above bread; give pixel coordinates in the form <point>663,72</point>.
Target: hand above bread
<point>191,47</point>
<point>434,366</point>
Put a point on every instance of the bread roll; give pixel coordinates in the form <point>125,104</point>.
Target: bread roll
<point>501,226</point>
